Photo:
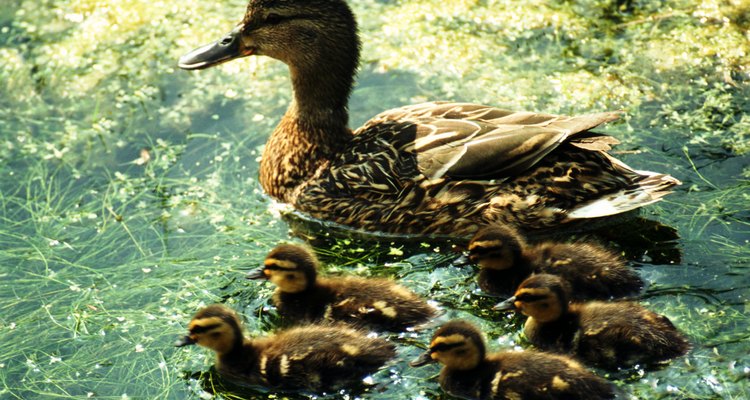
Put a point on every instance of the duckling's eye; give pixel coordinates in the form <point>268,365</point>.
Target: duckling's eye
<point>273,19</point>
<point>290,277</point>
<point>215,334</point>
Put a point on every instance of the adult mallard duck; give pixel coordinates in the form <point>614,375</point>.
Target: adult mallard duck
<point>432,168</point>
<point>302,296</point>
<point>311,357</point>
<point>607,334</point>
<point>470,373</point>
<point>593,271</point>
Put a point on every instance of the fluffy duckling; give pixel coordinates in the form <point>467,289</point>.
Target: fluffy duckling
<point>471,373</point>
<point>313,357</point>
<point>303,296</point>
<point>593,271</point>
<point>606,334</point>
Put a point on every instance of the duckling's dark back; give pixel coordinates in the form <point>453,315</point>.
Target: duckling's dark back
<point>507,375</point>
<point>624,333</point>
<point>378,303</point>
<point>371,302</point>
<point>593,271</point>
<point>321,357</point>
<point>534,375</point>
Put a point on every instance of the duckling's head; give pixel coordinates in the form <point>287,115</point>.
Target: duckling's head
<point>216,327</point>
<point>291,267</point>
<point>457,345</point>
<point>496,247</point>
<point>304,34</point>
<point>543,297</point>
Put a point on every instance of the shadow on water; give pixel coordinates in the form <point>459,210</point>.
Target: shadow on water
<point>639,238</point>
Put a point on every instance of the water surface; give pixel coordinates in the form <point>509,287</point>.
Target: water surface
<point>129,194</point>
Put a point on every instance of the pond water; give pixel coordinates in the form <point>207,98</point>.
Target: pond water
<point>129,194</point>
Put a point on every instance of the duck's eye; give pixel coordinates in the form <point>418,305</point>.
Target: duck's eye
<point>290,277</point>
<point>215,334</point>
<point>273,18</point>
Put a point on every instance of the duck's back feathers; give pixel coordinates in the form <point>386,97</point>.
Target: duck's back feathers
<point>376,302</point>
<point>533,375</point>
<point>472,141</point>
<point>320,357</point>
<point>624,333</point>
<point>593,271</point>
<point>447,168</point>
<point>527,375</point>
<point>372,303</point>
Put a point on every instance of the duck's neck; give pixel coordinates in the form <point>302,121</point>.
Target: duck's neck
<point>312,132</point>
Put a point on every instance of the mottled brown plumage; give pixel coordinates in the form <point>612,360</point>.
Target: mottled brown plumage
<point>468,372</point>
<point>432,168</point>
<point>302,296</point>
<point>311,357</point>
<point>592,271</point>
<point>607,334</point>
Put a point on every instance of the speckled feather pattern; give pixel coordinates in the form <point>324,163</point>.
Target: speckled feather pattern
<point>592,270</point>
<point>525,375</point>
<point>389,178</point>
<point>310,357</point>
<point>373,303</point>
<point>607,334</point>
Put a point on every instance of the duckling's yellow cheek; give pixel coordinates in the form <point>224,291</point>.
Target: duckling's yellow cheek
<point>560,384</point>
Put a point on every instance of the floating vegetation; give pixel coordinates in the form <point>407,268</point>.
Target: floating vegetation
<point>129,195</point>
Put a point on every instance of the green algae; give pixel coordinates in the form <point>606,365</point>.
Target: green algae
<point>129,194</point>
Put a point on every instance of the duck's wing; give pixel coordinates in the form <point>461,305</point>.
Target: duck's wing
<point>471,141</point>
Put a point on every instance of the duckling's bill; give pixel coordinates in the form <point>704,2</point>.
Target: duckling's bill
<point>424,359</point>
<point>218,52</point>
<point>507,305</point>
<point>257,274</point>
<point>184,341</point>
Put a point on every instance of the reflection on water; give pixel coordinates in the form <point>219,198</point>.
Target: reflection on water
<point>106,256</point>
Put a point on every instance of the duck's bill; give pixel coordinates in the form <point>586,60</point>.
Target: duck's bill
<point>462,261</point>
<point>218,52</point>
<point>257,274</point>
<point>423,359</point>
<point>184,341</point>
<point>507,305</point>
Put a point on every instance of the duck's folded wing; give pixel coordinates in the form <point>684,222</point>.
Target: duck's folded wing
<point>466,141</point>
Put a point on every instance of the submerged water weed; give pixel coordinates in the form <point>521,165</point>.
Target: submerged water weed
<point>129,194</point>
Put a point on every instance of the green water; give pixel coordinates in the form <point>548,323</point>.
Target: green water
<point>129,194</point>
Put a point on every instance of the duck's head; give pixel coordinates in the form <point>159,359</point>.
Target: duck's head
<point>302,33</point>
<point>496,247</point>
<point>216,327</point>
<point>291,267</point>
<point>457,345</point>
<point>543,297</point>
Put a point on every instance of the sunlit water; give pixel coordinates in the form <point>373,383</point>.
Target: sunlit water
<point>129,194</point>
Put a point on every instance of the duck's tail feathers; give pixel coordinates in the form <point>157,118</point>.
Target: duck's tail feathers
<point>648,188</point>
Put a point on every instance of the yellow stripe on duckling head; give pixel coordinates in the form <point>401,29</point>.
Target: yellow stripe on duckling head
<point>285,264</point>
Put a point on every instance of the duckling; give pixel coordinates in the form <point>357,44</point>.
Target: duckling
<point>312,357</point>
<point>470,373</point>
<point>593,271</point>
<point>606,334</point>
<point>303,296</point>
<point>427,169</point>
